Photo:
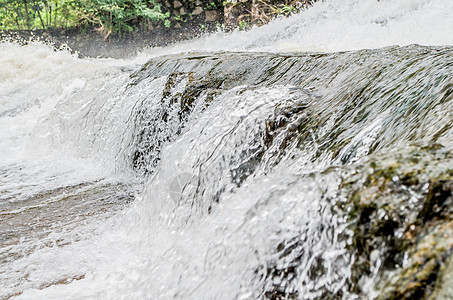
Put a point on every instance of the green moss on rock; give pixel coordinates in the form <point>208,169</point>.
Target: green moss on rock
<point>399,207</point>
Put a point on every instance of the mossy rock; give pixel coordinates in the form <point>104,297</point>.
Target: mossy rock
<point>426,258</point>
<point>399,206</point>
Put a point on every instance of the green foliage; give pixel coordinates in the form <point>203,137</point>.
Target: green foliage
<point>167,23</point>
<point>107,16</point>
<point>118,16</point>
<point>244,25</point>
<point>37,14</point>
<point>211,5</point>
<point>285,10</point>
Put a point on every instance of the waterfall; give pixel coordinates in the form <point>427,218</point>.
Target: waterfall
<point>306,159</point>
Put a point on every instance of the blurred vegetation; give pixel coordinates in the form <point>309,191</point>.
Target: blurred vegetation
<point>244,14</point>
<point>117,17</point>
<point>107,16</point>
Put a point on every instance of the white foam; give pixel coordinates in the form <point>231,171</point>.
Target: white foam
<point>336,25</point>
<point>40,90</point>
<point>148,253</point>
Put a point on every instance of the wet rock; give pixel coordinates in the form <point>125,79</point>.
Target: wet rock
<point>444,286</point>
<point>177,4</point>
<point>397,208</point>
<point>181,92</point>
<point>197,11</point>
<point>417,280</point>
<point>402,223</point>
<point>211,16</point>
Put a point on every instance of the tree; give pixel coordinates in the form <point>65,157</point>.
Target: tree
<point>117,16</point>
<point>107,16</point>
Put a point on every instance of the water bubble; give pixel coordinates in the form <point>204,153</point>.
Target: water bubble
<point>181,184</point>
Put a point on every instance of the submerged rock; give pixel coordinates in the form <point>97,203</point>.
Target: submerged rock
<point>393,199</point>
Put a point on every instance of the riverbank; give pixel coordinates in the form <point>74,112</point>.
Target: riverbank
<point>91,44</point>
<point>184,20</point>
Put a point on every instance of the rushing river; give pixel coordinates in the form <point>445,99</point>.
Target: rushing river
<point>223,168</point>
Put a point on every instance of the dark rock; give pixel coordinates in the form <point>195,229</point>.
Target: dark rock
<point>401,214</point>
<point>211,16</point>
<point>177,4</point>
<point>197,11</point>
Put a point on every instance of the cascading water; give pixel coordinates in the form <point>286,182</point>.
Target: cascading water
<point>258,174</point>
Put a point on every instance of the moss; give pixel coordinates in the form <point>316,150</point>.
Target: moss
<point>410,178</point>
<point>428,255</point>
<point>436,203</point>
<point>397,205</point>
<point>194,89</point>
<point>385,216</point>
<point>336,149</point>
<point>381,176</point>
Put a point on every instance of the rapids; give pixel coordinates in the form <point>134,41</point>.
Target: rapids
<point>224,167</point>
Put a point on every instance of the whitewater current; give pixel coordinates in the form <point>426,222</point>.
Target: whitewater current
<point>210,169</point>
